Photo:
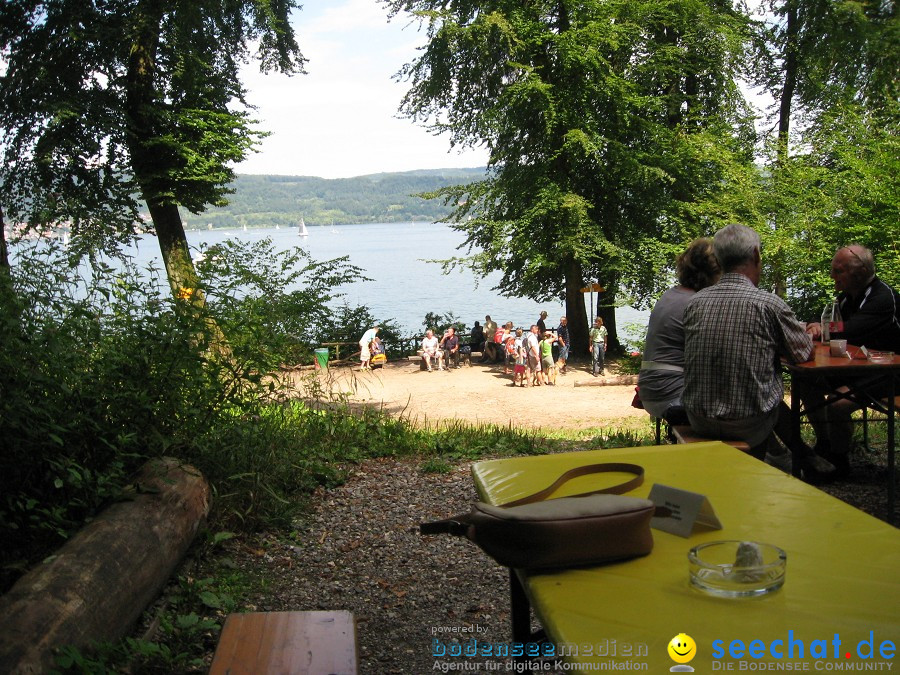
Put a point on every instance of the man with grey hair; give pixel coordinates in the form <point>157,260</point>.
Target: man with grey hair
<point>870,310</point>
<point>735,335</point>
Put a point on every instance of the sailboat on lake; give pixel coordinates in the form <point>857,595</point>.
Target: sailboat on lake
<point>301,227</point>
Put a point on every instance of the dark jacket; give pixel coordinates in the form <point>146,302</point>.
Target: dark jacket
<point>872,319</point>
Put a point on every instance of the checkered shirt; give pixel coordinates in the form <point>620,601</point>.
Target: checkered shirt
<point>735,335</point>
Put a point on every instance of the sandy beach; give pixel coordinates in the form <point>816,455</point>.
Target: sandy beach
<point>482,393</point>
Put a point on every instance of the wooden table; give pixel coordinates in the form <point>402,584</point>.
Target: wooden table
<point>842,567</point>
<point>861,377</point>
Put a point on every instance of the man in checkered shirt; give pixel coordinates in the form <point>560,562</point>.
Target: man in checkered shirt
<point>735,334</point>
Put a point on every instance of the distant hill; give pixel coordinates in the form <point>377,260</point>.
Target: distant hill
<point>377,198</point>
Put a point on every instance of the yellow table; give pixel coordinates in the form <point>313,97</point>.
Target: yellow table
<point>843,570</point>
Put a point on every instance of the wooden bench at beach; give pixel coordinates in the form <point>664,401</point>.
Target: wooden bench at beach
<point>685,434</point>
<point>464,359</point>
<point>313,643</point>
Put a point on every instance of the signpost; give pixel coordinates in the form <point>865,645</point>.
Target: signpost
<point>593,288</point>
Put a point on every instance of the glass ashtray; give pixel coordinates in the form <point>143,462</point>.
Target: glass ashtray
<point>737,569</point>
<point>881,357</point>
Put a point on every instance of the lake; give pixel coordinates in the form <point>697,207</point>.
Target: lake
<point>404,285</point>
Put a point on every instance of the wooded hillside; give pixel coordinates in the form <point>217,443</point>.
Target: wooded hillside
<point>376,198</point>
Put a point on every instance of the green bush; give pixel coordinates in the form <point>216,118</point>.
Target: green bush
<point>101,370</point>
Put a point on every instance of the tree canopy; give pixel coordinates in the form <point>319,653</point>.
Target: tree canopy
<point>105,102</point>
<point>611,126</point>
<point>831,156</point>
<point>618,132</point>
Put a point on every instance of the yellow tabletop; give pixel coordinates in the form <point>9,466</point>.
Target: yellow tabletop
<point>842,582</point>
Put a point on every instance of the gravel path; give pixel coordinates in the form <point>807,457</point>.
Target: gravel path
<point>360,550</point>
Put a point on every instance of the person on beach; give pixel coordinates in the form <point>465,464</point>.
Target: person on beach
<point>503,332</point>
<point>542,327</point>
<point>519,367</point>
<point>431,352</point>
<point>365,347</point>
<point>450,345</point>
<point>562,341</point>
<point>509,359</point>
<point>533,357</point>
<point>490,331</point>
<point>547,365</point>
<point>476,338</point>
<point>597,349</point>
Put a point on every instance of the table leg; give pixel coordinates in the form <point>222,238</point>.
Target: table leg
<point>795,430</point>
<point>520,610</point>
<point>892,479</point>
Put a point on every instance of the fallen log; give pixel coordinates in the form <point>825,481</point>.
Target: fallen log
<point>607,381</point>
<point>98,584</point>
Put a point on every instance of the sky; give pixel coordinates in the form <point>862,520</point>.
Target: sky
<point>340,119</point>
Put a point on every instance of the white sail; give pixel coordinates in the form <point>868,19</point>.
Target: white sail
<point>302,228</point>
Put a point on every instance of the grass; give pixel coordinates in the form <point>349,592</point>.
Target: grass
<point>289,441</point>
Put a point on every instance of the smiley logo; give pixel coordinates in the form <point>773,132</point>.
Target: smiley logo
<point>682,649</point>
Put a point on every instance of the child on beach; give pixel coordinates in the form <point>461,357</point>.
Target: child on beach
<point>547,364</point>
<point>510,353</point>
<point>519,368</point>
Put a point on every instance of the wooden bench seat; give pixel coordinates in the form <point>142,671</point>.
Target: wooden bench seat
<point>312,643</point>
<point>685,434</point>
<point>464,359</point>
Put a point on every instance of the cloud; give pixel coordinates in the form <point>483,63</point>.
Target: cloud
<point>341,119</point>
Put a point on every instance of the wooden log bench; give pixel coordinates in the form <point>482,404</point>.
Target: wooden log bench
<point>311,643</point>
<point>685,434</point>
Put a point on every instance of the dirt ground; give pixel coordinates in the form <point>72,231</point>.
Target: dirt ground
<point>482,393</point>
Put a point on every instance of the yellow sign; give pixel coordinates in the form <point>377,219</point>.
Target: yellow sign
<point>593,288</point>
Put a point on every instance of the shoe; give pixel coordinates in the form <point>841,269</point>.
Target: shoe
<point>430,371</point>
<point>815,469</point>
<point>819,464</point>
<point>676,415</point>
<point>839,460</point>
<point>782,461</point>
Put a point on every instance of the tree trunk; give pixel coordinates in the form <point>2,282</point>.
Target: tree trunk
<point>8,305</point>
<point>575,312</point>
<point>99,583</point>
<point>6,287</point>
<point>791,64</point>
<point>790,81</point>
<point>176,254</point>
<point>606,310</point>
<point>4,248</point>
<point>151,168</point>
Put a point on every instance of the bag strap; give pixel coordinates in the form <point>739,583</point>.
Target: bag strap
<point>587,469</point>
<point>458,525</point>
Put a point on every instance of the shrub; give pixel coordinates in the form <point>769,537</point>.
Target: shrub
<point>101,370</point>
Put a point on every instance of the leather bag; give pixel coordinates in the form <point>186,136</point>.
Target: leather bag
<point>535,533</point>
